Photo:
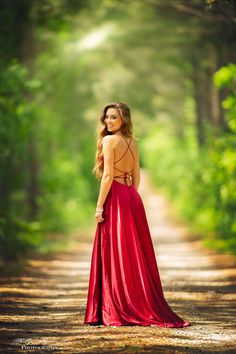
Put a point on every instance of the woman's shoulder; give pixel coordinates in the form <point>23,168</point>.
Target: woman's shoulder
<point>115,139</point>
<point>109,137</point>
<point>109,141</point>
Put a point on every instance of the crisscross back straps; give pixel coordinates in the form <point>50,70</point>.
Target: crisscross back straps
<point>128,148</point>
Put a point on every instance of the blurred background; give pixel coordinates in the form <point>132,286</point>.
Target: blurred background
<point>61,61</point>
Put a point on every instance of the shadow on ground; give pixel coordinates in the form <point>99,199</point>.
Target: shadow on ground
<point>43,303</point>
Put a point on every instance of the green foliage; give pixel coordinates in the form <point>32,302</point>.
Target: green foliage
<point>201,183</point>
<point>17,236</point>
<point>64,201</point>
<point>224,158</point>
<point>159,57</point>
<point>226,78</point>
<point>17,120</point>
<point>64,198</point>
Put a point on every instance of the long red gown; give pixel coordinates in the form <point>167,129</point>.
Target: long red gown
<point>124,284</point>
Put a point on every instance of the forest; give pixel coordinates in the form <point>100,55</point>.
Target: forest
<point>62,61</point>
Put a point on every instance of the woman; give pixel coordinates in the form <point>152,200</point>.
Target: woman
<point>124,286</point>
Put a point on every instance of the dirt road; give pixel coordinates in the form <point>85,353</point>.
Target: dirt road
<point>42,307</point>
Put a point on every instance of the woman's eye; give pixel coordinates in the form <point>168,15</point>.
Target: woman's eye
<point>112,117</point>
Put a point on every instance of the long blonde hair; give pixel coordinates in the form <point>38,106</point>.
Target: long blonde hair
<point>126,130</point>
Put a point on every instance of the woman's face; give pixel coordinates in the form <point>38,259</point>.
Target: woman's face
<point>112,120</point>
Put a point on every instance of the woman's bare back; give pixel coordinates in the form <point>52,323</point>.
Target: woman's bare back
<point>125,158</point>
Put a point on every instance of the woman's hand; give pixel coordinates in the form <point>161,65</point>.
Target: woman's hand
<point>98,215</point>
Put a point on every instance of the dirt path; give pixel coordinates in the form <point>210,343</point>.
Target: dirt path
<point>43,307</point>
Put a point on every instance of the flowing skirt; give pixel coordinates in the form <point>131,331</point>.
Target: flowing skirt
<point>124,284</point>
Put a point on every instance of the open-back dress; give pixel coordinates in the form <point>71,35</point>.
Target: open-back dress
<point>124,284</point>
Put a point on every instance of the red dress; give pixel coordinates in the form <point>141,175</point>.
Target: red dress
<point>124,286</point>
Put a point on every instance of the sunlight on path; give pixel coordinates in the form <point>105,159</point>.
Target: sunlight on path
<point>43,309</point>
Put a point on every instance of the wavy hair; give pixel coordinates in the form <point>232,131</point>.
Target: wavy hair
<point>125,129</point>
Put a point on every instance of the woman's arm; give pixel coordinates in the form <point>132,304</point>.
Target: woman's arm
<point>107,177</point>
<point>136,171</point>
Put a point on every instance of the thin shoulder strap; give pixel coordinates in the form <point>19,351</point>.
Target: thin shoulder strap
<point>128,144</point>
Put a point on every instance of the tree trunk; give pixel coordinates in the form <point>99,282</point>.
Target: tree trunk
<point>32,183</point>
<point>199,110</point>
